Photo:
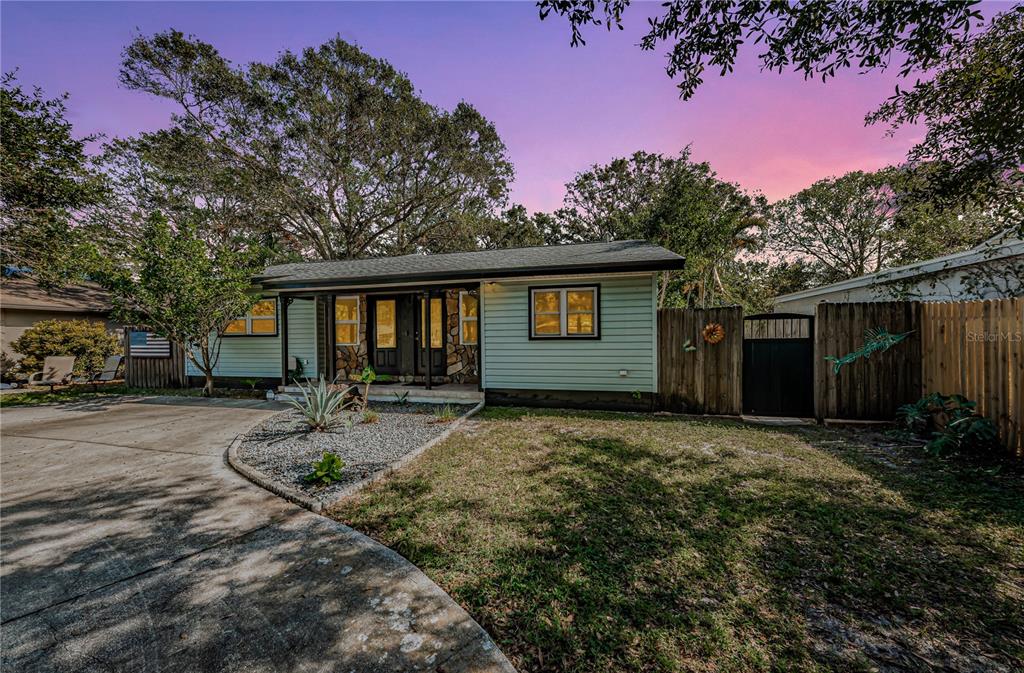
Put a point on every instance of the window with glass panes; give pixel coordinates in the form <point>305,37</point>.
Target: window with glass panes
<point>346,321</point>
<point>469,319</point>
<point>563,312</point>
<point>261,320</point>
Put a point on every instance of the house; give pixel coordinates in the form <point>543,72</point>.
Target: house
<point>992,270</point>
<point>568,324</point>
<point>23,303</point>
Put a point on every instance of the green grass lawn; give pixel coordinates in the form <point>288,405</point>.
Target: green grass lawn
<point>604,542</point>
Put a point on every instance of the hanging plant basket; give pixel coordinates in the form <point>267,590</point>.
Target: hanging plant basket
<point>713,333</point>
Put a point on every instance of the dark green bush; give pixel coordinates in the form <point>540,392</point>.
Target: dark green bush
<point>89,342</point>
<point>950,423</point>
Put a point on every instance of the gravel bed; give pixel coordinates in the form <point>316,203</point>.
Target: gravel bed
<point>282,447</point>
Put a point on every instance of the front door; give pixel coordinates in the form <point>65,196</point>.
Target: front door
<point>394,337</point>
<point>438,319</point>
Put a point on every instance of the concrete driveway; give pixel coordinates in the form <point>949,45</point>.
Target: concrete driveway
<point>129,545</point>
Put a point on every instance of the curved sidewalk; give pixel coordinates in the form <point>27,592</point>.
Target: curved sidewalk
<point>129,545</point>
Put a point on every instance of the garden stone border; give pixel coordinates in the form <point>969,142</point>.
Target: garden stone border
<point>317,505</point>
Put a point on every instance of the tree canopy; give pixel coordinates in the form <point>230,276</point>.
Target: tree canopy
<point>972,109</point>
<point>671,201</point>
<point>334,143</point>
<point>45,179</point>
<point>815,37</point>
<point>862,222</point>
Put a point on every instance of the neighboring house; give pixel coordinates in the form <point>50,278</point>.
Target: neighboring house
<point>991,270</point>
<point>23,303</point>
<point>551,324</point>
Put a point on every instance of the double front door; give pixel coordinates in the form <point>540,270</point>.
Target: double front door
<point>399,328</point>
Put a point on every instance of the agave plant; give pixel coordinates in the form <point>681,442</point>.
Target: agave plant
<point>321,404</point>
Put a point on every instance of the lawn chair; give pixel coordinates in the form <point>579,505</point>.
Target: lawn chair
<point>110,368</point>
<point>56,370</point>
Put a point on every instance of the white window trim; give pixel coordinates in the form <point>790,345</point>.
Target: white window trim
<point>248,318</point>
<point>347,322</point>
<point>464,319</point>
<point>563,312</point>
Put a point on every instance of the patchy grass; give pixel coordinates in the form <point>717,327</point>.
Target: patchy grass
<point>604,542</point>
<point>82,392</point>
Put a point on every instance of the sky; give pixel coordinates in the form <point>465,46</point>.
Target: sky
<point>558,109</point>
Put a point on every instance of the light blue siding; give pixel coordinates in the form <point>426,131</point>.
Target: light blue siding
<point>628,316</point>
<point>261,356</point>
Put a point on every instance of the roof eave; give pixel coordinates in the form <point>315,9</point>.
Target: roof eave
<point>646,265</point>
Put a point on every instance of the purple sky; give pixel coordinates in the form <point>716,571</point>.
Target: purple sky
<point>558,109</point>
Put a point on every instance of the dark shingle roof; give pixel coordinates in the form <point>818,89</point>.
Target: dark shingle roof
<point>537,261</point>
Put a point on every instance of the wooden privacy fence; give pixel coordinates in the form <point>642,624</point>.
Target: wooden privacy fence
<point>709,379</point>
<point>871,388</point>
<point>152,362</point>
<point>976,349</point>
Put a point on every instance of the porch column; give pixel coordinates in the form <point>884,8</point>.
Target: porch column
<point>332,340</point>
<point>428,336</point>
<point>285,301</point>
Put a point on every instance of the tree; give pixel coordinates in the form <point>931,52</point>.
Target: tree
<point>815,37</point>
<point>182,287</point>
<point>861,223</point>
<point>755,283</point>
<point>516,228</point>
<point>335,142</point>
<point>973,111</point>
<point>674,202</point>
<point>45,178</point>
<point>178,176</point>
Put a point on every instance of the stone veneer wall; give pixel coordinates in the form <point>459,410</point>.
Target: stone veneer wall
<point>461,358</point>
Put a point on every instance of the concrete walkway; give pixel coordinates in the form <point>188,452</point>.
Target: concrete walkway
<point>128,545</point>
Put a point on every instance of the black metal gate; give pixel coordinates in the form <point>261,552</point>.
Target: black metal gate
<point>778,365</point>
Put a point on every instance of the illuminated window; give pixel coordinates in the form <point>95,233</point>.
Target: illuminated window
<point>261,320</point>
<point>346,321</point>
<point>469,318</point>
<point>563,312</point>
<point>436,323</point>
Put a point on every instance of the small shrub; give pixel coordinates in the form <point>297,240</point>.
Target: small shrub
<point>950,423</point>
<point>370,416</point>
<point>89,342</point>
<point>368,376</point>
<point>401,398</point>
<point>326,471</point>
<point>321,405</point>
<point>252,383</point>
<point>446,414</point>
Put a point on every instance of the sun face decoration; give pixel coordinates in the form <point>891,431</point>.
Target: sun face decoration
<point>713,333</point>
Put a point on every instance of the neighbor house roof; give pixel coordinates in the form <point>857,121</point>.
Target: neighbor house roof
<point>614,256</point>
<point>996,248</point>
<point>22,292</point>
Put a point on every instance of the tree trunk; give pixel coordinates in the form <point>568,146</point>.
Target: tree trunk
<point>208,386</point>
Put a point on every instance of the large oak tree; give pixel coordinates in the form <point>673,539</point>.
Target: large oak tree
<point>336,143</point>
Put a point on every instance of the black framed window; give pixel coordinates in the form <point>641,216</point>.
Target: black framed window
<point>571,312</point>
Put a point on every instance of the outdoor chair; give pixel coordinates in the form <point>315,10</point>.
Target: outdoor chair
<point>111,366</point>
<point>56,370</point>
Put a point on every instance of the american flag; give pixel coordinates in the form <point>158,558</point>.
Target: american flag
<point>148,345</point>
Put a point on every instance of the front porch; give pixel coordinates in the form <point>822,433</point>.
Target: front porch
<point>415,339</point>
